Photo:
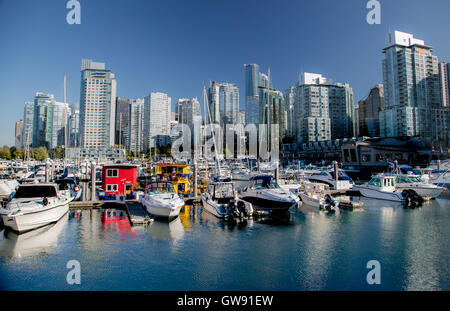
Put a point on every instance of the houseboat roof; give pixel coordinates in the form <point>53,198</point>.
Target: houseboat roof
<point>121,165</point>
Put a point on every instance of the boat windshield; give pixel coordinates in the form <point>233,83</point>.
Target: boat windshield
<point>341,176</point>
<point>35,192</point>
<point>225,190</point>
<point>375,182</point>
<point>265,183</point>
<point>160,187</point>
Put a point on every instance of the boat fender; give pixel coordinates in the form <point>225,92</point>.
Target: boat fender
<point>45,201</point>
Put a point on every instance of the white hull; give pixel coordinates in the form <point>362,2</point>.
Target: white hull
<point>378,194</point>
<point>210,207</point>
<point>30,221</point>
<point>311,201</point>
<point>425,192</point>
<point>161,209</point>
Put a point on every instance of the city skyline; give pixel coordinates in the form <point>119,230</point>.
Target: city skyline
<point>225,67</point>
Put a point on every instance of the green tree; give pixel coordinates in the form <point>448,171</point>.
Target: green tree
<point>18,154</point>
<point>40,154</point>
<point>5,153</point>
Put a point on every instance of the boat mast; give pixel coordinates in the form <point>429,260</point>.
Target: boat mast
<point>206,104</point>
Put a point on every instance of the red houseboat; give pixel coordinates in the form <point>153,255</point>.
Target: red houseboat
<point>118,180</point>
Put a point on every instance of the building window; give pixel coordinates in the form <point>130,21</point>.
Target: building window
<point>112,173</point>
<point>112,187</point>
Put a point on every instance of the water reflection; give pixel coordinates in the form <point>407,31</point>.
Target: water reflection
<point>32,243</point>
<point>163,230</point>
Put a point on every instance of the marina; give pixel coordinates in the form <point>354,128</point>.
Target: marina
<point>279,229</point>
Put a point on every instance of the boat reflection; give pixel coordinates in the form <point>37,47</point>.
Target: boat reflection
<point>41,240</point>
<point>162,230</point>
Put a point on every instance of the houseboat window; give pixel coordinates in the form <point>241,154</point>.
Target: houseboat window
<point>379,157</point>
<point>112,187</point>
<point>399,156</point>
<point>388,157</point>
<point>112,173</point>
<point>180,170</point>
<point>375,182</point>
<point>366,158</point>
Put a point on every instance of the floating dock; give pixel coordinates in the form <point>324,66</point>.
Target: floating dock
<point>136,214</point>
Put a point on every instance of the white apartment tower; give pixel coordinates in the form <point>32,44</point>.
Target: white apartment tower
<point>157,113</point>
<point>97,105</point>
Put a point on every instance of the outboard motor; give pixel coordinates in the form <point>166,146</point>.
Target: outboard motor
<point>330,204</point>
<point>412,198</point>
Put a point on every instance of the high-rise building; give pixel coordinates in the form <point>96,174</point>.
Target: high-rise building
<point>189,111</point>
<point>272,108</point>
<point>157,110</point>
<point>368,112</point>
<point>97,105</point>
<point>444,83</point>
<point>43,120</point>
<point>411,88</point>
<point>136,126</point>
<point>122,121</point>
<point>18,134</point>
<point>223,100</point>
<point>213,103</point>
<point>322,110</point>
<point>74,127</point>
<point>61,113</point>
<point>252,80</point>
<point>28,119</point>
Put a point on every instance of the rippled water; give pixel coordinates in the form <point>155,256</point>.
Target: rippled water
<point>306,250</point>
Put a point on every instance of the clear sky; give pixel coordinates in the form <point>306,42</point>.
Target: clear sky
<point>176,46</point>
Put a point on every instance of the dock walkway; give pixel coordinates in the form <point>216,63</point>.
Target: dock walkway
<point>136,214</point>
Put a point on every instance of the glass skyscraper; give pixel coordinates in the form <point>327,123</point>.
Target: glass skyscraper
<point>157,110</point>
<point>43,120</point>
<point>252,78</point>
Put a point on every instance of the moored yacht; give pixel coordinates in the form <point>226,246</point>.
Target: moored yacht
<point>221,201</point>
<point>327,176</point>
<point>161,200</point>
<point>266,195</point>
<point>34,206</point>
<point>412,182</point>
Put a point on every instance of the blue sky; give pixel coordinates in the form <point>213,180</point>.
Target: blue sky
<point>176,46</point>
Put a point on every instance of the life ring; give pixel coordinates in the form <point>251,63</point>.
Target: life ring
<point>76,188</point>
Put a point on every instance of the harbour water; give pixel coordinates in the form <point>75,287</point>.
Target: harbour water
<point>305,250</point>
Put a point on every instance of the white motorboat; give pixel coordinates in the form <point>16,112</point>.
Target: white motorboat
<point>316,195</point>
<point>242,173</point>
<point>34,206</point>
<point>327,177</point>
<point>381,187</point>
<point>266,195</point>
<point>441,179</point>
<point>160,200</point>
<point>221,201</point>
<point>412,182</point>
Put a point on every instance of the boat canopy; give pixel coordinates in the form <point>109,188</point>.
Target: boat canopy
<point>35,191</point>
<point>160,186</point>
<point>264,181</point>
<point>221,190</point>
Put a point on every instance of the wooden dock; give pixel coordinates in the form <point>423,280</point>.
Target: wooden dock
<point>136,214</point>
